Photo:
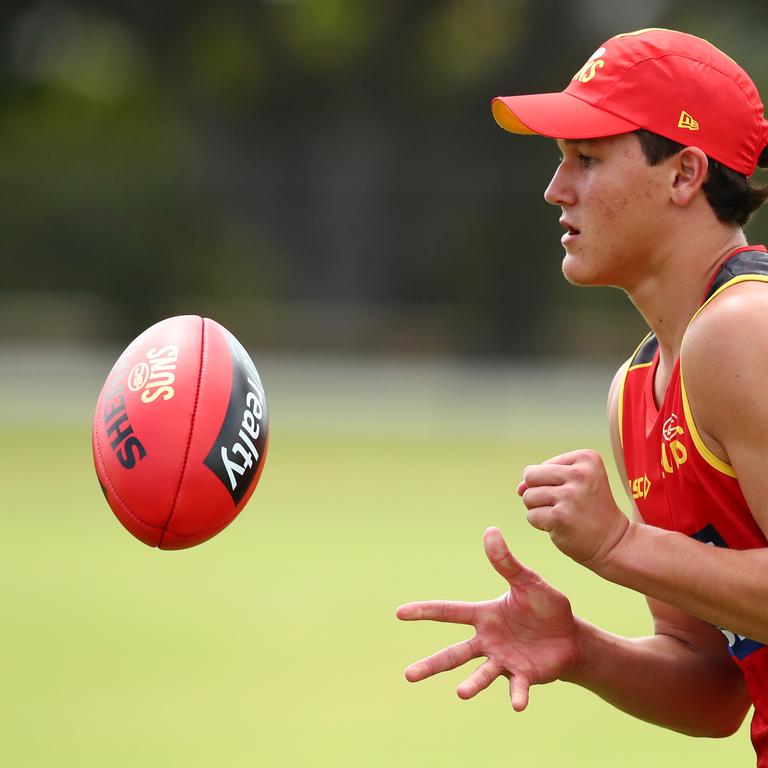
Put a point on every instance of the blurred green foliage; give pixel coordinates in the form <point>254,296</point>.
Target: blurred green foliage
<point>317,174</point>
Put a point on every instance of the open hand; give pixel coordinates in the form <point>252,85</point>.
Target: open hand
<point>528,634</point>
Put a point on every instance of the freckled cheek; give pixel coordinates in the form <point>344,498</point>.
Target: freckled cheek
<point>608,219</point>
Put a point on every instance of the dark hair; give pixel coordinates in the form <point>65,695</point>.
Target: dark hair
<point>731,195</point>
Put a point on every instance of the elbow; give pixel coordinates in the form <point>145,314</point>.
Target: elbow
<point>721,729</point>
<point>732,713</point>
<point>727,728</point>
<point>718,732</point>
<point>725,724</point>
<point>718,715</point>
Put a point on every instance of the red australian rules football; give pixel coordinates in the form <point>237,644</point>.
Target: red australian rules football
<point>180,432</point>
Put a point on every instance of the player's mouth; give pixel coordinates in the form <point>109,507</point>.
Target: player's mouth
<point>571,234</point>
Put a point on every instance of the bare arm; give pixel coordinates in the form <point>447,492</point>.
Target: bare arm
<point>725,355</point>
<point>725,361</point>
<point>680,678</point>
<point>685,685</point>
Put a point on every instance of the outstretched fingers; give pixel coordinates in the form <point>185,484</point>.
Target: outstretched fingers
<point>442,661</point>
<point>452,611</point>
<point>485,674</point>
<point>518,692</point>
<point>479,680</point>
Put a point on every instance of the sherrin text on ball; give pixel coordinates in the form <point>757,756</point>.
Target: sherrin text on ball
<point>180,432</point>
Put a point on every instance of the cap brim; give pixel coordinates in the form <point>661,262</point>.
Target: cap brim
<point>557,115</point>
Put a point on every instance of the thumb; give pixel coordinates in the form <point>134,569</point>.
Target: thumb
<point>521,488</point>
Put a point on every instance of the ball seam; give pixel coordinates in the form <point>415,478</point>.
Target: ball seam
<point>191,432</point>
<point>236,511</point>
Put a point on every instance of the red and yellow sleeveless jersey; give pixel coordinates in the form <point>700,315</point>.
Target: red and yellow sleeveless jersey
<point>679,485</point>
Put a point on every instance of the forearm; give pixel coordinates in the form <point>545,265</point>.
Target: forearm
<point>724,587</point>
<point>662,680</point>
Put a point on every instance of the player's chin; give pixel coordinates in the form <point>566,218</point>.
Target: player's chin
<point>578,271</point>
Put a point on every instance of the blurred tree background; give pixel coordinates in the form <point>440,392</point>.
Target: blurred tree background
<point>319,175</point>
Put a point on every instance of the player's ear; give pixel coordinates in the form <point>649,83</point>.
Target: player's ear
<point>690,172</point>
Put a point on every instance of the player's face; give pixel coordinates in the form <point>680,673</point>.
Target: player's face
<point>614,207</point>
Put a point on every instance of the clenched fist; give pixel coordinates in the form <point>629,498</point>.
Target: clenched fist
<point>570,498</point>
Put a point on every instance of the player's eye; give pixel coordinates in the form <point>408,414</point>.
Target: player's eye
<point>586,160</point>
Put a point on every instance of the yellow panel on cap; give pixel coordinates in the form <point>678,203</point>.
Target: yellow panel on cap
<point>508,120</point>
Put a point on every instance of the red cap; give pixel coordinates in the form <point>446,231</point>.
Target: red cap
<point>667,82</point>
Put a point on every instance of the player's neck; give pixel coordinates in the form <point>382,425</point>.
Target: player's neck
<point>669,296</point>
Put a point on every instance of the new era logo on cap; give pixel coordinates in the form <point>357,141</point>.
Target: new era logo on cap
<point>686,121</point>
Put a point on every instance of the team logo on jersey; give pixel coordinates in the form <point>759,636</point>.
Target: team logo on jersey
<point>673,453</point>
<point>687,121</point>
<point>671,428</point>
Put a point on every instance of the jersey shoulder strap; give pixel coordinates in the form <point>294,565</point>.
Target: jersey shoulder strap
<point>645,353</point>
<point>740,264</point>
<point>746,263</point>
<point>642,357</point>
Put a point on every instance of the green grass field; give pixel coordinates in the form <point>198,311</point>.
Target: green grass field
<point>275,644</point>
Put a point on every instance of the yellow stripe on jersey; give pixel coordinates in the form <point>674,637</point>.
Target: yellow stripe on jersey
<point>739,279</point>
<point>630,367</point>
<point>704,452</point>
<point>621,407</point>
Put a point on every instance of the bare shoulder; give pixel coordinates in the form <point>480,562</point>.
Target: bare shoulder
<point>614,393</point>
<point>729,331</point>
<point>614,428</point>
<point>724,358</point>
<point>618,377</point>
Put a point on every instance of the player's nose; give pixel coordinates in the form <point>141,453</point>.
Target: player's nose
<point>559,191</point>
